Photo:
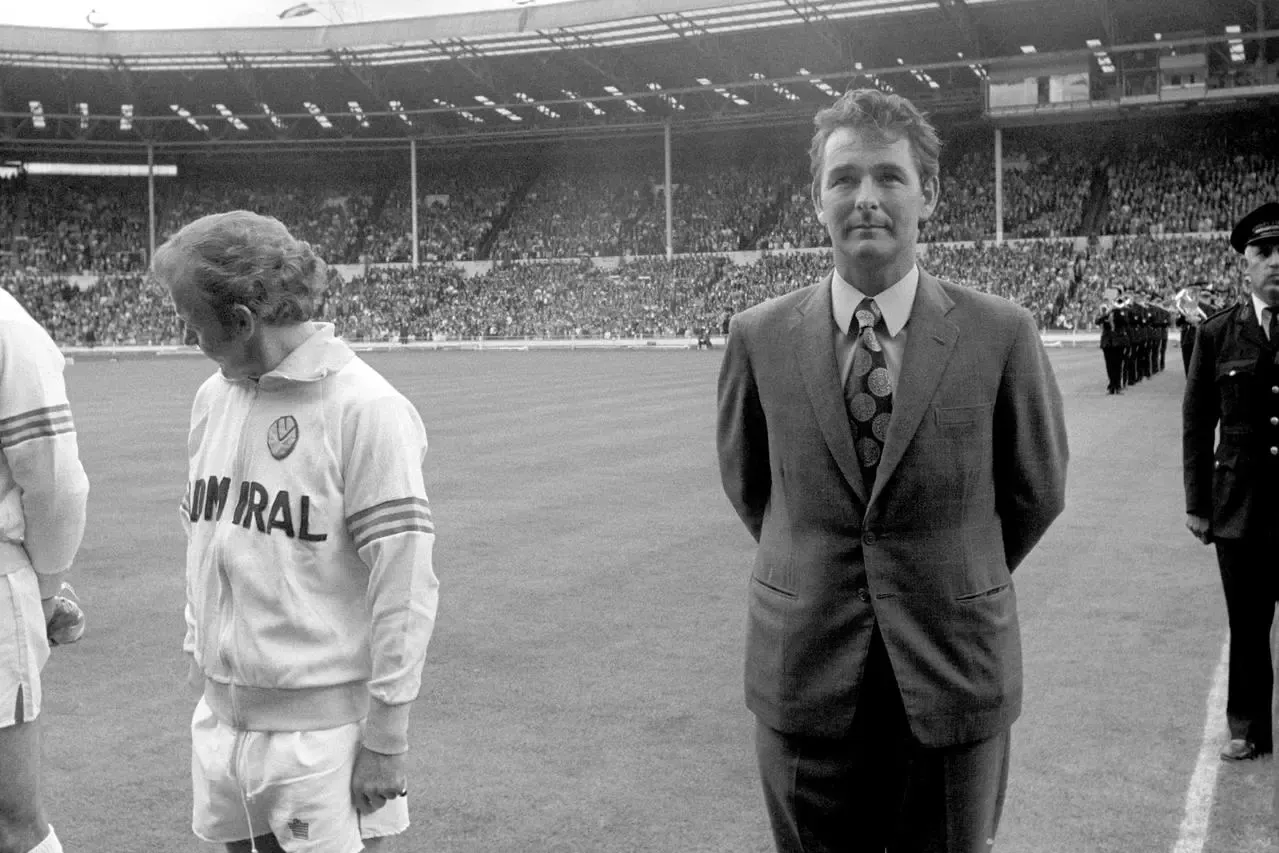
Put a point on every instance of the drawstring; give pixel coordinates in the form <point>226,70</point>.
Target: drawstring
<point>237,762</point>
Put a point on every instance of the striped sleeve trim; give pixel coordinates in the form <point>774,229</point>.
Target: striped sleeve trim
<point>403,515</point>
<point>37,423</point>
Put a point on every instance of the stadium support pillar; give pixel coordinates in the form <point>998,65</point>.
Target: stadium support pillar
<point>1261,27</point>
<point>999,186</point>
<point>670,241</point>
<point>151,199</point>
<point>413,194</point>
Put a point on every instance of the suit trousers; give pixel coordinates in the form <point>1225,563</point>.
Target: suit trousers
<point>1247,577</point>
<point>878,789</point>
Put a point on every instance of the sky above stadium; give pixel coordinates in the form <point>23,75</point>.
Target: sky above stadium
<point>183,14</point>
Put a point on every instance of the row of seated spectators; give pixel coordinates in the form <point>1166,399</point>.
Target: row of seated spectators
<point>1156,178</point>
<point>645,297</point>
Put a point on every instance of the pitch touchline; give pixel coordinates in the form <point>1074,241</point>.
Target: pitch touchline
<point>1203,784</point>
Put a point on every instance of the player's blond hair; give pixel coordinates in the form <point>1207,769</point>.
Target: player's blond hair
<point>244,258</point>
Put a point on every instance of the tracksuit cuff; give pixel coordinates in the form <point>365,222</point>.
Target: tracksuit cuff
<point>51,582</point>
<point>387,728</point>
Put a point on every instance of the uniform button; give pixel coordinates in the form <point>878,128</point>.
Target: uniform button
<point>1274,451</point>
<point>1233,372</point>
<point>863,593</point>
<point>1274,389</point>
<point>1274,421</point>
<point>868,538</point>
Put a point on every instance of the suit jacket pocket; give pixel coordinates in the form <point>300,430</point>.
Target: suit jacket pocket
<point>773,588</point>
<point>958,417</point>
<point>985,593</point>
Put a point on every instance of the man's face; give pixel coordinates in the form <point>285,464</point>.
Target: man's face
<point>201,325</point>
<point>1261,266</point>
<point>870,198</point>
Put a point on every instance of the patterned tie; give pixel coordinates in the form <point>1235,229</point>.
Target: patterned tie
<point>869,391</point>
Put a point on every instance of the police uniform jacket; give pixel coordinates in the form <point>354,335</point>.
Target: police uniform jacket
<point>1106,320</point>
<point>1234,381</point>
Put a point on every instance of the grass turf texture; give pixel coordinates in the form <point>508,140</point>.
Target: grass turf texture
<point>582,692</point>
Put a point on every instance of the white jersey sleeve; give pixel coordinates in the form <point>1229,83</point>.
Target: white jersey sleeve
<point>390,523</point>
<point>45,486</point>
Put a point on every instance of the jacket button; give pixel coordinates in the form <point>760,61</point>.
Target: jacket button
<point>1274,421</point>
<point>1274,451</point>
<point>1233,372</point>
<point>863,593</point>
<point>868,538</point>
<point>1274,389</point>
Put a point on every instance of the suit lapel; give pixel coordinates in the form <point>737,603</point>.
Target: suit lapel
<point>929,343</point>
<point>814,328</point>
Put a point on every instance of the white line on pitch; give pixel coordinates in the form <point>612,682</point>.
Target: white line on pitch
<point>1203,784</point>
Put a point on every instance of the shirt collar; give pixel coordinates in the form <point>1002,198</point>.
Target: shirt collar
<point>1261,307</point>
<point>894,303</point>
<point>318,356</point>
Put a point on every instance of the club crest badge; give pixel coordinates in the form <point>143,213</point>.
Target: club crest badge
<point>282,437</point>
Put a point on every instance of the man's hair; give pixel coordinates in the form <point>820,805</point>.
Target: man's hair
<point>244,258</point>
<point>884,116</point>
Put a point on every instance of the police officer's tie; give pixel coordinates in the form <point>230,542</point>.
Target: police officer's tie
<point>1272,329</point>
<point>868,391</point>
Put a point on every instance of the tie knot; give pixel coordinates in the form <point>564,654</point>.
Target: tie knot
<point>867,314</point>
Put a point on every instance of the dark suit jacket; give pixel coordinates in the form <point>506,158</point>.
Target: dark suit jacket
<point>972,474</point>
<point>1232,373</point>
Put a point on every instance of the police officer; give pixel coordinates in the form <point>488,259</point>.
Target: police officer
<point>1232,488</point>
<point>1192,309</point>
<point>1112,351</point>
<point>1162,321</point>
<point>1127,329</point>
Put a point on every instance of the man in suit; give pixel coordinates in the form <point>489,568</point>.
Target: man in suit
<point>1232,486</point>
<point>895,445</point>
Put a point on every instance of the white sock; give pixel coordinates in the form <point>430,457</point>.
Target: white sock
<point>51,844</point>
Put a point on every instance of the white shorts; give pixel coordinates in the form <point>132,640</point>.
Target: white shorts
<point>293,785</point>
<point>24,645</point>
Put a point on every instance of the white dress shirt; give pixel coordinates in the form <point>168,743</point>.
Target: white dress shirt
<point>894,304</point>
<point>1263,314</point>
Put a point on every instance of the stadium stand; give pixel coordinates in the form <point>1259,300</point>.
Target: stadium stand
<point>75,254</point>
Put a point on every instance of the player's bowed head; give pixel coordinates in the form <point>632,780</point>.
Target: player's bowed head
<point>244,288</point>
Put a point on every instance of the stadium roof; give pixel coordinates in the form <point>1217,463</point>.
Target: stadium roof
<point>547,70</point>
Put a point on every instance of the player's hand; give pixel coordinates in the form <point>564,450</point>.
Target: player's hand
<point>1200,527</point>
<point>377,778</point>
<point>63,619</point>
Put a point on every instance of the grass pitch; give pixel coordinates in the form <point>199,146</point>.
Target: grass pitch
<point>583,689</point>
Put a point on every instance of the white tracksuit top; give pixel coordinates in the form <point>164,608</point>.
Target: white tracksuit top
<point>311,596</point>
<point>43,487</point>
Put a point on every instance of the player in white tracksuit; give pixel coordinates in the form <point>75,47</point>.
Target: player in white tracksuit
<point>311,594</point>
<point>43,491</point>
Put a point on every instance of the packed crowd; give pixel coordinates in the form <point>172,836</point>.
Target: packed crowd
<point>75,249</point>
<point>1191,177</point>
<point>1060,284</point>
<point>118,309</point>
<point>1186,177</point>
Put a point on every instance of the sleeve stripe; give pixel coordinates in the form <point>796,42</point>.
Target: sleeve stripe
<point>357,518</point>
<point>409,527</point>
<point>358,530</point>
<point>13,439</point>
<point>46,413</point>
